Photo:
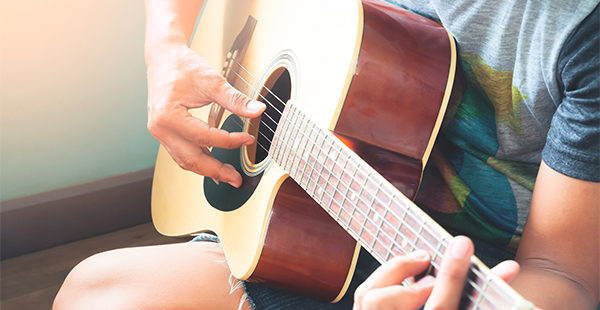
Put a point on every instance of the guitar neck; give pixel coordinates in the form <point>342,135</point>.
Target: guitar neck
<point>372,210</point>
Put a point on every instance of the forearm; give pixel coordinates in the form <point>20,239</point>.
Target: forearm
<point>168,23</point>
<point>559,249</point>
<point>549,289</point>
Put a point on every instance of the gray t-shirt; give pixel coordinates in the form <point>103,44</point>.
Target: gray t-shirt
<point>532,86</point>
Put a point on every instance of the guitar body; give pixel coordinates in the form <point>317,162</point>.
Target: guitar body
<point>377,76</point>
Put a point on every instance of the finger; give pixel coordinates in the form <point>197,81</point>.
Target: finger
<point>192,158</point>
<point>506,270</point>
<point>233,100</point>
<point>452,275</point>
<point>398,296</point>
<point>199,133</point>
<point>396,270</point>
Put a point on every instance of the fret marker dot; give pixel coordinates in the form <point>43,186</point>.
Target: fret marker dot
<point>375,217</point>
<point>352,196</point>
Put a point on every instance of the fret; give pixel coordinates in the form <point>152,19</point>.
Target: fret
<point>323,166</point>
<point>274,147</point>
<point>309,178</point>
<point>309,162</point>
<point>294,141</point>
<point>352,220</point>
<point>359,220</point>
<point>362,226</point>
<point>382,246</point>
<point>419,232</point>
<point>286,139</point>
<point>318,166</point>
<point>297,153</point>
<point>437,253</point>
<point>330,185</point>
<point>301,166</point>
<point>338,193</point>
<point>346,191</point>
<point>499,297</point>
<point>329,190</point>
<point>482,292</point>
<point>287,136</point>
<point>344,217</point>
<point>319,190</point>
<point>402,221</point>
<point>373,196</point>
<point>278,138</point>
<point>396,231</point>
<point>329,175</point>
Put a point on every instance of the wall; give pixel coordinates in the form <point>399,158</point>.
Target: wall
<point>72,94</point>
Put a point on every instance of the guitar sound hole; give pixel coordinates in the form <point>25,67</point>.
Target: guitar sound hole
<point>279,84</point>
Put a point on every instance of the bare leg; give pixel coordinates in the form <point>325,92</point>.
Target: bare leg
<point>190,275</point>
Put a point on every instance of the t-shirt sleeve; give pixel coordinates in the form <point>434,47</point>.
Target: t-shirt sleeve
<point>573,143</point>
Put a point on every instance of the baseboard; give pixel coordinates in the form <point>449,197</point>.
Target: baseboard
<point>49,219</point>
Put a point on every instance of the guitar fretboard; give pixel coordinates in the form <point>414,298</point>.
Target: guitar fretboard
<point>372,210</point>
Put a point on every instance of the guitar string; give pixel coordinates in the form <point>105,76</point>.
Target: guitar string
<point>359,236</point>
<point>351,215</point>
<point>477,273</point>
<point>369,232</point>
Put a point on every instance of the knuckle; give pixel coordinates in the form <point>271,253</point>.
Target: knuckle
<point>152,127</point>
<point>359,294</point>
<point>221,172</point>
<point>204,140</point>
<point>238,99</point>
<point>185,164</point>
<point>452,275</point>
<point>370,300</point>
<point>157,119</point>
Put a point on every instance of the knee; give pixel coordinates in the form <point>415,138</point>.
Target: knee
<point>93,283</point>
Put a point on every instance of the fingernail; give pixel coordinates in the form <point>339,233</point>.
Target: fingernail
<point>255,106</point>
<point>419,255</point>
<point>461,247</point>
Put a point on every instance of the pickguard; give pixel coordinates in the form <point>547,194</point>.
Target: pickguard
<point>223,196</point>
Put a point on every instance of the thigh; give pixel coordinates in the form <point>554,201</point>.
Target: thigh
<point>192,275</point>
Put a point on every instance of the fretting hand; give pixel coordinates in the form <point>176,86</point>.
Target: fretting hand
<point>384,289</point>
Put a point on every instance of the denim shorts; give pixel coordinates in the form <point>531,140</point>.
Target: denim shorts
<point>262,297</point>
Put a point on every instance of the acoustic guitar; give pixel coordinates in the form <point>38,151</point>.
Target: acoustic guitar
<point>355,92</point>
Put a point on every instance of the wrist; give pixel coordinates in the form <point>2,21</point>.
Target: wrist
<point>157,51</point>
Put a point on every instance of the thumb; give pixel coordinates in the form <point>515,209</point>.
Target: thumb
<point>506,270</point>
<point>236,102</point>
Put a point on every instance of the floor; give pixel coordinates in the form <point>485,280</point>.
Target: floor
<point>31,281</point>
